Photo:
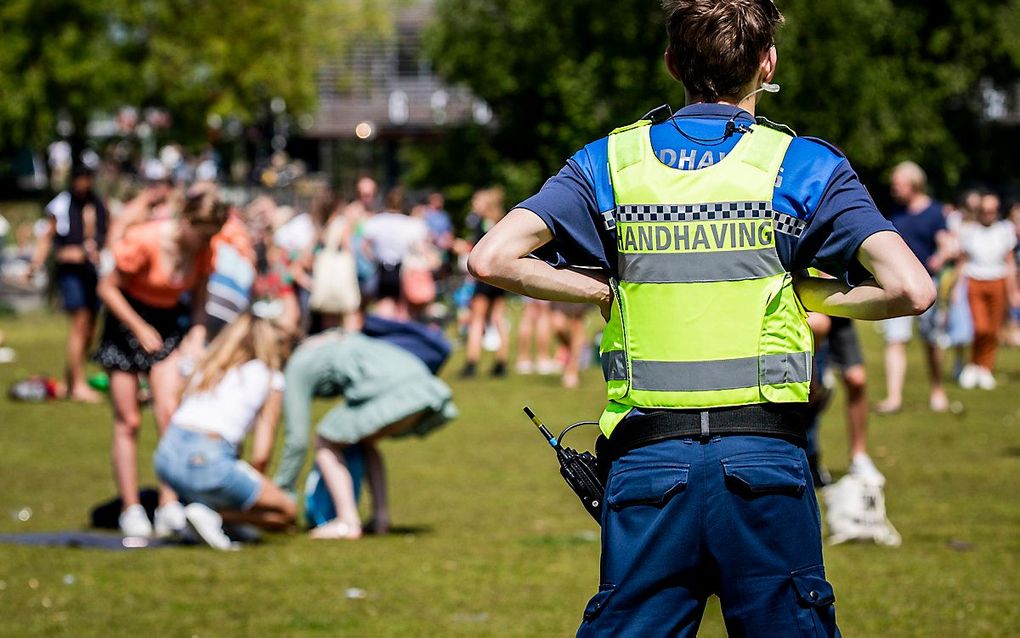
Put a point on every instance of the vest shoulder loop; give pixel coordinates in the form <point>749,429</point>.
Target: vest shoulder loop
<point>626,145</point>
<point>629,127</point>
<point>782,128</point>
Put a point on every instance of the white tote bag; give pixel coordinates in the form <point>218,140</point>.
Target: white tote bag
<point>334,278</point>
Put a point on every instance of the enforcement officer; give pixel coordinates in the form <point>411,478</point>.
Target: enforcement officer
<point>687,232</point>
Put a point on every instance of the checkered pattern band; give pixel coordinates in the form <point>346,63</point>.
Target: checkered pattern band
<point>786,224</point>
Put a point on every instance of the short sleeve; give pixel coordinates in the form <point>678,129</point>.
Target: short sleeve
<point>568,205</point>
<point>1008,235</point>
<point>134,252</point>
<point>846,215</point>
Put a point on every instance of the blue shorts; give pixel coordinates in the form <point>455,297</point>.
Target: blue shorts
<point>736,517</point>
<point>77,285</point>
<point>204,469</point>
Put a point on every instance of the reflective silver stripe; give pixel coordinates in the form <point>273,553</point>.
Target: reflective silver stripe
<point>734,265</point>
<point>614,365</point>
<point>728,374</point>
<point>692,212</point>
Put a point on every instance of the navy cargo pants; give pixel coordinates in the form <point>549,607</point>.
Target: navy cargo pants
<point>733,516</point>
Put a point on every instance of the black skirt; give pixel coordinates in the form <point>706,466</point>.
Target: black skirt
<point>119,349</point>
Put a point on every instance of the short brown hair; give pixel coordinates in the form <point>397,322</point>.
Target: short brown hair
<point>717,44</point>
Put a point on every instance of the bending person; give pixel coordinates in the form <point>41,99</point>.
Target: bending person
<point>236,387</point>
<point>388,392</point>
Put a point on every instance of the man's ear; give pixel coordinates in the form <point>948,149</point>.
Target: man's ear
<point>768,64</point>
<point>671,66</point>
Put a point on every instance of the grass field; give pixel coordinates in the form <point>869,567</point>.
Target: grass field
<point>493,544</point>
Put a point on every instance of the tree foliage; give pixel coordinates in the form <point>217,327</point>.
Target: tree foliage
<point>192,57</point>
<point>882,79</point>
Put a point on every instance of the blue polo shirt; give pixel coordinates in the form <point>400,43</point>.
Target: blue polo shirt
<point>920,229</point>
<point>816,185</point>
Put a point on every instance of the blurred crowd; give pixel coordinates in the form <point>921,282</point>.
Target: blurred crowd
<point>194,302</point>
<point>203,297</point>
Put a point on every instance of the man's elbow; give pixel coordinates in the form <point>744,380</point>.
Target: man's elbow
<point>917,294</point>
<point>482,262</point>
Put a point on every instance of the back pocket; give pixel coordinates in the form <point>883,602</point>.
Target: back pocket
<point>758,474</point>
<point>646,485</point>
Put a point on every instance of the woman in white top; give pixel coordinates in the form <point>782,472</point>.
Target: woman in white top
<point>236,388</point>
<point>391,236</point>
<point>989,265</point>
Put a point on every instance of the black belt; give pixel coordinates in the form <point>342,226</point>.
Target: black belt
<point>787,421</point>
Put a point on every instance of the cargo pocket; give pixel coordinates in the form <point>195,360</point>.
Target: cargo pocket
<point>759,474</point>
<point>598,602</point>
<point>816,614</point>
<point>646,485</point>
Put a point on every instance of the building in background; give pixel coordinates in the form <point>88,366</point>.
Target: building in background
<point>383,96</point>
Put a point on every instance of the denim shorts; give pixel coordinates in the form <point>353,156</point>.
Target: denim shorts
<point>206,470</point>
<point>77,285</point>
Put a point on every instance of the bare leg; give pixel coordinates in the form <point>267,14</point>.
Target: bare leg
<point>543,333</point>
<point>525,333</point>
<point>376,471</point>
<point>497,311</point>
<point>895,374</point>
<point>126,421</point>
<point>165,385</point>
<point>578,339</point>
<point>79,337</point>
<point>939,401</point>
<point>476,327</point>
<point>331,463</point>
<point>855,379</point>
<point>274,510</point>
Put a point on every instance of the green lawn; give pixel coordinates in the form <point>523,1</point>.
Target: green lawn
<point>498,546</point>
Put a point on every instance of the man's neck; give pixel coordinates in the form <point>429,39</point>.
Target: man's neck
<point>919,203</point>
<point>748,103</point>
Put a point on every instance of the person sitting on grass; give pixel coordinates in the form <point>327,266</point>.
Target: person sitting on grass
<point>388,392</point>
<point>236,388</point>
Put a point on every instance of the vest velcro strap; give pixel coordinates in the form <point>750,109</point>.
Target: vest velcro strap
<point>726,374</point>
<point>704,267</point>
<point>782,421</point>
<point>614,365</point>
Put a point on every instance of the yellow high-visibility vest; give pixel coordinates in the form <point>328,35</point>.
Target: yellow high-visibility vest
<point>705,315</point>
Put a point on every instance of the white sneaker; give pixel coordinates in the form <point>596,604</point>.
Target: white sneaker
<point>970,376</point>
<point>548,367</point>
<point>208,526</point>
<point>862,466</point>
<point>135,522</point>
<point>986,380</point>
<point>524,366</point>
<point>169,520</point>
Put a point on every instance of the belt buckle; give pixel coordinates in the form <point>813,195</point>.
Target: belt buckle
<point>706,433</point>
